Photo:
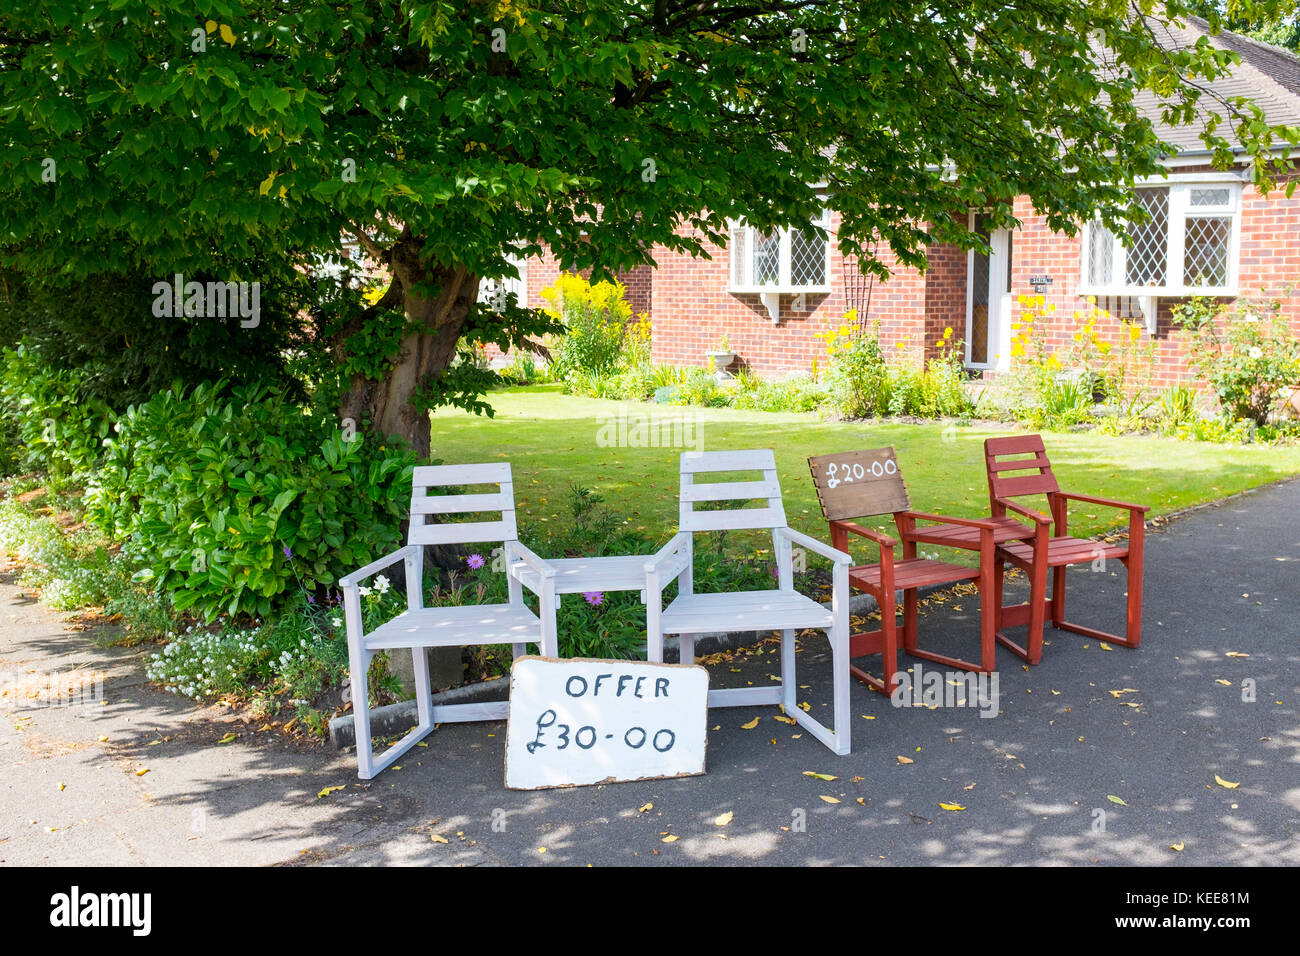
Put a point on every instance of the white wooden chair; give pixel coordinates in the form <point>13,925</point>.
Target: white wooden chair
<point>419,627</point>
<point>783,609</point>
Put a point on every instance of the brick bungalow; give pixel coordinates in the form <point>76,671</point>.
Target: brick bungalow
<point>1211,232</point>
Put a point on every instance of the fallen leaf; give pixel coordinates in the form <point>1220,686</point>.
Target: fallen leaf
<point>1177,847</point>
<point>438,838</point>
<point>867,717</point>
<point>1127,690</point>
<point>861,801</point>
<point>1105,646</point>
<point>228,738</point>
<point>906,760</point>
<point>1116,800</point>
<point>819,776</point>
<point>669,839</point>
<point>784,720</point>
<point>806,706</point>
<point>541,849</point>
<point>828,799</point>
<point>62,787</point>
<point>142,771</point>
<point>971,787</point>
<point>1225,683</point>
<point>643,809</point>
<point>951,806</point>
<point>1224,783</point>
<point>328,790</point>
<point>751,725</point>
<point>723,819</point>
<point>1235,654</point>
<point>103,739</point>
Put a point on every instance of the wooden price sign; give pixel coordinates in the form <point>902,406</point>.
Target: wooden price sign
<point>577,721</point>
<point>855,484</point>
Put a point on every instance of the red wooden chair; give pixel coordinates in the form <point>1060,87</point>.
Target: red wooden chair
<point>868,483</point>
<point>1055,551</point>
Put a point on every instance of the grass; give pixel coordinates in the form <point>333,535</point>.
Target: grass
<point>551,440</point>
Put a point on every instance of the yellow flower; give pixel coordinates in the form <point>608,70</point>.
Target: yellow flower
<point>947,332</point>
<point>1134,332</point>
<point>1091,300</point>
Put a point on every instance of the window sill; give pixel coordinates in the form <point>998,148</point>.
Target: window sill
<point>780,290</point>
<point>1165,292</point>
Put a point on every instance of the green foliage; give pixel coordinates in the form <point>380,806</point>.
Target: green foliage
<point>595,318</point>
<point>229,497</point>
<point>58,429</point>
<point>1177,406</point>
<point>794,394</point>
<point>103,329</point>
<point>1247,354</point>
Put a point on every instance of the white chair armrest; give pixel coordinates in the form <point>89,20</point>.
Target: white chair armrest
<point>812,544</point>
<point>351,580</point>
<point>516,550</point>
<point>654,563</point>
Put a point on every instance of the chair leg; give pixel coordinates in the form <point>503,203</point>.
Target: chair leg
<point>686,648</point>
<point>360,665</point>
<point>1058,596</point>
<point>910,615</point>
<point>884,642</point>
<point>788,685</point>
<point>423,691</point>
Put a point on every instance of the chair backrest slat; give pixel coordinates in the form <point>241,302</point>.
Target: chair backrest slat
<point>1001,467</point>
<point>769,515</point>
<point>425,505</point>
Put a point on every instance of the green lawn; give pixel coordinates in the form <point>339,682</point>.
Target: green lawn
<point>553,440</point>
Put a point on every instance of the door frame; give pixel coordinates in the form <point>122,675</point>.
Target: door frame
<point>999,294</point>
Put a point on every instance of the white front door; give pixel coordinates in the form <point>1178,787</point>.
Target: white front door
<point>988,298</point>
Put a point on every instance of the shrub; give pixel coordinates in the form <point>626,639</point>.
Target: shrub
<point>229,499</point>
<point>595,318</point>
<point>858,378</point>
<point>1252,363</point>
<point>58,427</point>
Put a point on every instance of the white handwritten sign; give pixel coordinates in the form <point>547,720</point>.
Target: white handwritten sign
<point>578,721</point>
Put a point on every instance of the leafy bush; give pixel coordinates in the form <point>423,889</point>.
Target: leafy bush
<point>229,499</point>
<point>1247,354</point>
<point>595,318</point>
<point>858,376</point>
<point>60,429</point>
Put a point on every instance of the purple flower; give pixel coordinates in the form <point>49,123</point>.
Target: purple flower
<point>475,561</point>
<point>287,552</point>
<point>594,598</point>
<point>311,598</point>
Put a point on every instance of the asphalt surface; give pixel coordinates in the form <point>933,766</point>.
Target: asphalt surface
<point>1095,756</point>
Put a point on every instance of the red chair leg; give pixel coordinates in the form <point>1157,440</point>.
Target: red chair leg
<point>883,642</point>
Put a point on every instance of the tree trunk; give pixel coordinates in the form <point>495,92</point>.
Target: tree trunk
<point>436,300</point>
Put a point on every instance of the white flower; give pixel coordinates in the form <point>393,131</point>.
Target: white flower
<point>1256,352</point>
<point>365,591</point>
<point>381,584</point>
<point>336,622</point>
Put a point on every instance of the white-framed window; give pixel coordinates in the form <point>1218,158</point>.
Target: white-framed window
<point>782,261</point>
<point>1189,244</point>
<point>494,292</point>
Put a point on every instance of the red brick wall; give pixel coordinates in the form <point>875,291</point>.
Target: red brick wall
<point>691,308</point>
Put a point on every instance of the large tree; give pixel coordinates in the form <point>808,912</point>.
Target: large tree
<point>142,135</point>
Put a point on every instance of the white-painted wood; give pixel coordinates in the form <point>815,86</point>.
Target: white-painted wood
<point>580,722</point>
<point>744,696</point>
<point>782,609</point>
<point>465,532</point>
<point>459,504</point>
<point>419,628</point>
<point>488,473</point>
<point>743,611</point>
